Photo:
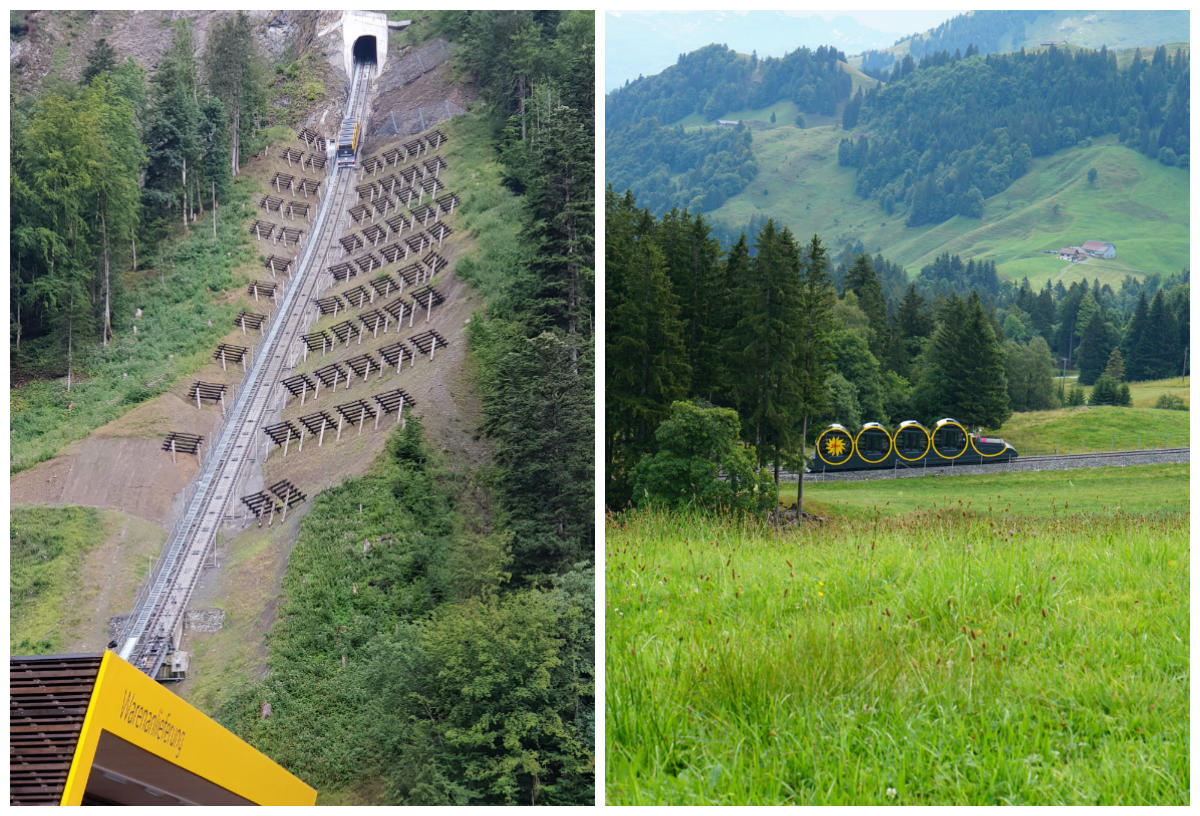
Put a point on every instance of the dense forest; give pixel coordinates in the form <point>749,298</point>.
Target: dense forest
<point>462,670</point>
<point>703,167</point>
<point>773,330</point>
<point>943,135</point>
<point>115,163</point>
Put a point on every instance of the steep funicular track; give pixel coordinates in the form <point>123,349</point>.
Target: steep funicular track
<point>155,625</point>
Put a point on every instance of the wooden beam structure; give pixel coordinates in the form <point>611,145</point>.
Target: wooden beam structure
<point>228,353</point>
<point>343,331</point>
<point>264,288</point>
<point>179,442</point>
<point>213,392</point>
<point>428,342</point>
<point>395,355</point>
<point>309,187</point>
<point>317,423</point>
<point>342,271</point>
<point>262,230</point>
<point>250,320</point>
<point>330,305</point>
<point>314,140</point>
<point>383,285</point>
<point>278,264</point>
<point>356,412</point>
<point>281,180</point>
<point>331,375</point>
<point>300,386</point>
<point>357,296</point>
<point>394,400</point>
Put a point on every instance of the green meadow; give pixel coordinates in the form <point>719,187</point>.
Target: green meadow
<point>1025,646</point>
<point>1136,203</point>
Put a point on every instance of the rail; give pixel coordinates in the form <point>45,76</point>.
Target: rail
<point>1129,458</point>
<point>150,629</point>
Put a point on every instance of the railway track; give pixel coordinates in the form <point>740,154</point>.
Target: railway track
<point>155,625</point>
<point>1023,463</point>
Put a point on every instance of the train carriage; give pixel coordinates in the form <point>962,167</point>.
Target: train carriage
<point>912,445</point>
<point>347,149</point>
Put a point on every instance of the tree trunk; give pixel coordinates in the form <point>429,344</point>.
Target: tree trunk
<point>70,325</point>
<point>185,197</point>
<point>235,142</point>
<point>800,471</point>
<point>214,210</point>
<point>106,331</point>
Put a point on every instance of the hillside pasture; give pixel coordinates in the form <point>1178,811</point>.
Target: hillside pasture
<point>1136,203</point>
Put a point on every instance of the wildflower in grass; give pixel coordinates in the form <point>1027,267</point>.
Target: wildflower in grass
<point>891,793</point>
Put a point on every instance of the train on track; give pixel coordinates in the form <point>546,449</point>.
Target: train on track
<point>911,446</point>
<point>347,148</point>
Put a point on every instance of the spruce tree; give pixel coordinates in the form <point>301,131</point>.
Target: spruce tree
<point>1162,340</point>
<point>692,255</point>
<point>1115,368</point>
<point>1134,350</point>
<point>815,354</point>
<point>863,281</point>
<point>767,339</point>
<point>235,76</point>
<point>646,365</point>
<point>985,402</point>
<point>1094,348</point>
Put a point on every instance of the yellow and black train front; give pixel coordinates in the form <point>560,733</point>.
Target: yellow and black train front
<point>911,445</point>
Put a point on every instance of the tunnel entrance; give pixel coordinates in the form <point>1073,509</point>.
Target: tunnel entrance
<point>364,50</point>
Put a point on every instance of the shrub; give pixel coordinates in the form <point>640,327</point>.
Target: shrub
<point>701,462</point>
<point>1171,402</point>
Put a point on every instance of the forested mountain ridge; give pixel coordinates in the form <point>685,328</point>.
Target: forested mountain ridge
<point>943,136</point>
<point>995,31</point>
<point>702,167</point>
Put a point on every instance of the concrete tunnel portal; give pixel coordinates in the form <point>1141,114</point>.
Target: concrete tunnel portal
<point>364,50</point>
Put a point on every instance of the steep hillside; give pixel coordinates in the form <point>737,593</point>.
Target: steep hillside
<point>1136,203</point>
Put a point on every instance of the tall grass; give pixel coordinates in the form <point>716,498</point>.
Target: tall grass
<point>931,657</point>
<point>184,315</point>
<point>47,547</point>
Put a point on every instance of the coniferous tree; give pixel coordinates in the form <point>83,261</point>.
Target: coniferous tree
<point>766,337</point>
<point>173,134</point>
<point>1115,368</point>
<point>815,354</point>
<point>1095,345</point>
<point>863,281</point>
<point>914,324</point>
<point>1162,340</point>
<point>693,264</point>
<point>235,77</point>
<point>645,361</point>
<point>100,59</point>
<point>986,403</point>
<point>1134,344</point>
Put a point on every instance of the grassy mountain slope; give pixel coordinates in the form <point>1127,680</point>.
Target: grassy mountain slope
<point>1136,203</point>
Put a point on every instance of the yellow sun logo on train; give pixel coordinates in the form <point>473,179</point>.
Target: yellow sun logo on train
<point>836,446</point>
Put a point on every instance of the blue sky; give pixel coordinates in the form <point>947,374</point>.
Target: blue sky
<point>637,42</point>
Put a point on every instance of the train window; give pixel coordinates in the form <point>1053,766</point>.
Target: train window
<point>950,441</point>
<point>912,442</point>
<point>874,444</point>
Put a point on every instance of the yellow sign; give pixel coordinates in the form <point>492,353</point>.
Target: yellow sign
<point>133,707</point>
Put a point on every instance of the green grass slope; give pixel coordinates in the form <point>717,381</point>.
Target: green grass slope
<point>941,655</point>
<point>1135,202</point>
